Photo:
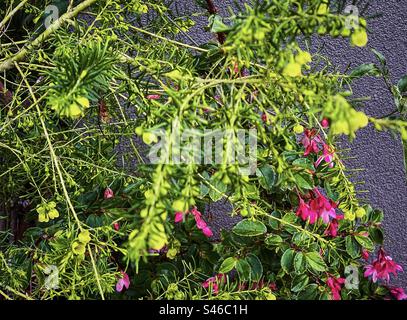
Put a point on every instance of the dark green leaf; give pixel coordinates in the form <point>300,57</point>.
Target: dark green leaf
<point>352,247</point>
<point>365,242</point>
<point>256,267</point>
<point>315,261</point>
<point>287,260</point>
<point>310,292</point>
<point>243,269</point>
<point>273,240</point>
<point>299,282</point>
<point>249,228</point>
<point>269,175</point>
<point>402,84</point>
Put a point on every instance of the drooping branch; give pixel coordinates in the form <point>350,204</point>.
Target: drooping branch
<point>21,55</point>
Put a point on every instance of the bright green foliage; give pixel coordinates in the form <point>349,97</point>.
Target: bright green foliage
<point>97,81</point>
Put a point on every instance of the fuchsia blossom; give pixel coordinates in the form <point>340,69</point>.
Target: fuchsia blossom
<point>325,123</point>
<point>124,282</point>
<point>333,226</point>
<point>317,207</point>
<point>310,141</point>
<point>214,281</point>
<point>327,155</point>
<point>305,212</point>
<point>398,293</point>
<point>382,267</point>
<point>200,222</point>
<point>365,254</point>
<point>116,226</point>
<point>153,97</point>
<point>335,285</point>
<point>108,194</point>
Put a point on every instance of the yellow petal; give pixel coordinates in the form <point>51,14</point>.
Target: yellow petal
<point>292,69</point>
<point>359,38</point>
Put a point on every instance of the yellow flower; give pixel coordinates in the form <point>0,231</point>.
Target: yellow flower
<point>84,237</point>
<point>78,248</point>
<point>53,213</point>
<point>180,206</point>
<point>360,212</point>
<point>303,57</point>
<point>359,38</point>
<point>292,69</point>
<point>149,137</point>
<point>74,110</point>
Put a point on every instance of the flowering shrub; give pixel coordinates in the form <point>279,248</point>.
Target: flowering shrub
<point>109,74</point>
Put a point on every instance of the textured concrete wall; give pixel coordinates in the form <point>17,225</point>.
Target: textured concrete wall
<point>378,153</point>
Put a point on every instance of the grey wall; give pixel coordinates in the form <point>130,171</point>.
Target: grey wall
<point>378,153</point>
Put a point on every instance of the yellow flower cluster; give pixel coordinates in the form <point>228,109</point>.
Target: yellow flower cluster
<point>293,68</point>
<point>47,211</point>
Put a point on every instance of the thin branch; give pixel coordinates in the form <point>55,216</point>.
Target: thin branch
<point>9,63</point>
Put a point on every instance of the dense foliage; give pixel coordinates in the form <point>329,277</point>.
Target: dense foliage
<point>85,216</point>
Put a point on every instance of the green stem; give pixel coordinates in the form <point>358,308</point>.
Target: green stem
<point>21,55</point>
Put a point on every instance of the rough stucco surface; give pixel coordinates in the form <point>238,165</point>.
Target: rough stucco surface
<point>379,154</point>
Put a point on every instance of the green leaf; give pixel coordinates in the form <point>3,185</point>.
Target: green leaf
<point>379,56</point>
<point>243,269</point>
<point>310,292</point>
<point>376,216</point>
<point>352,247</point>
<point>365,242</point>
<point>287,260</point>
<point>304,163</point>
<point>273,240</point>
<point>269,175</point>
<point>299,282</point>
<point>219,188</point>
<point>365,69</point>
<point>299,262</point>
<point>256,267</point>
<point>304,181</point>
<point>376,234</point>
<point>315,261</point>
<point>227,265</point>
<point>402,84</point>
<point>249,228</point>
<point>216,24</point>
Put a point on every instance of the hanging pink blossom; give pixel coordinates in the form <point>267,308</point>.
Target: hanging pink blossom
<point>327,155</point>
<point>365,254</point>
<point>398,293</point>
<point>305,212</point>
<point>382,267</point>
<point>335,285</point>
<point>214,282</point>
<point>153,96</point>
<point>310,141</point>
<point>108,194</point>
<point>200,222</point>
<point>325,123</point>
<point>333,226</point>
<point>124,282</point>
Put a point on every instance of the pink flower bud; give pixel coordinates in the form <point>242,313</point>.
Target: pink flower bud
<point>116,226</point>
<point>153,97</point>
<point>108,193</point>
<point>325,123</point>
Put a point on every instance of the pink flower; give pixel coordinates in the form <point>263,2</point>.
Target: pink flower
<point>124,282</point>
<point>325,123</point>
<point>382,267</point>
<point>214,282</point>
<point>332,229</point>
<point>327,155</point>
<point>335,285</point>
<point>310,141</point>
<point>324,207</point>
<point>264,117</point>
<point>398,293</point>
<point>207,232</point>
<point>108,194</point>
<point>200,223</point>
<point>179,216</point>
<point>305,212</point>
<point>116,226</point>
<point>365,254</point>
<point>153,96</point>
